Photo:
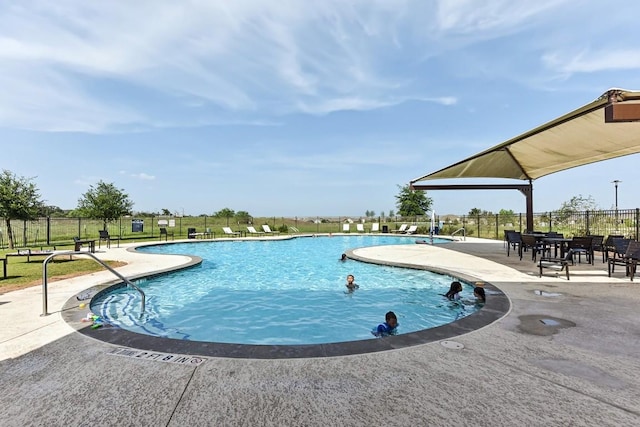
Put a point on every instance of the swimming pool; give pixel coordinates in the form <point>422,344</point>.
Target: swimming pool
<point>281,292</point>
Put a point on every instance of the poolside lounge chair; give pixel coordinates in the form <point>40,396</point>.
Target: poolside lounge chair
<point>230,232</point>
<point>345,228</point>
<point>412,229</point>
<point>563,263</point>
<point>268,230</point>
<point>402,229</point>
<point>375,227</point>
<point>252,230</point>
<point>360,227</point>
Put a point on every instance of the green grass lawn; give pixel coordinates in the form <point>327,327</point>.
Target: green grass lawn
<point>22,274</point>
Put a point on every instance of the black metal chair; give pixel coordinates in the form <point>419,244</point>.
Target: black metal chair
<point>514,241</point>
<point>609,246</point>
<point>536,246</point>
<point>597,245</point>
<point>166,234</point>
<point>563,263</point>
<point>581,245</point>
<point>627,254</point>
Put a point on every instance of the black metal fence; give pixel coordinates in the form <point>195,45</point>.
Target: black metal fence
<point>58,231</point>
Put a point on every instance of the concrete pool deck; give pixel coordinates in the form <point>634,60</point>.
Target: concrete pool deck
<point>568,359</point>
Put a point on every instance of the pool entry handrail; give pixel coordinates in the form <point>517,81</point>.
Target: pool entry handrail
<point>464,237</point>
<point>102,263</point>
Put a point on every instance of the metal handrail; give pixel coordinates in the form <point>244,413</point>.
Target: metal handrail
<point>464,236</point>
<point>120,276</point>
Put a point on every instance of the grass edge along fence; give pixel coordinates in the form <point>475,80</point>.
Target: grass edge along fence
<point>60,231</point>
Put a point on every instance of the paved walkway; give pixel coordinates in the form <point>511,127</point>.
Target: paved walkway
<point>569,359</point>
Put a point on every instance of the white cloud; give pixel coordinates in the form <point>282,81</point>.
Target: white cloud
<point>143,176</point>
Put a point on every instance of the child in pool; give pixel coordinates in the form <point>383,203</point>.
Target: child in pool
<point>388,327</point>
<point>480,295</point>
<point>454,291</point>
<point>351,285</point>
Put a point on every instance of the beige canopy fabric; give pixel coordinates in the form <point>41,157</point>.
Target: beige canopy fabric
<point>607,128</point>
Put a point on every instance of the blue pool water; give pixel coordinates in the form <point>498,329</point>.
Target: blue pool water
<point>282,292</point>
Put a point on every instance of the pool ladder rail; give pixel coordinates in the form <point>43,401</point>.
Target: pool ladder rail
<point>464,236</point>
<point>120,276</point>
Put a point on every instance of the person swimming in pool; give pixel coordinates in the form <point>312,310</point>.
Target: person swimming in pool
<point>454,291</point>
<point>351,285</point>
<point>480,295</point>
<point>389,326</point>
<point>343,258</point>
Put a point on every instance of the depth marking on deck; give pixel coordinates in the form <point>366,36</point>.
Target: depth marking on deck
<point>179,359</point>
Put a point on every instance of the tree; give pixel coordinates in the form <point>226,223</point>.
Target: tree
<point>475,212</point>
<point>391,214</point>
<point>412,202</point>
<point>576,204</point>
<point>506,216</point>
<point>19,199</point>
<point>104,202</point>
<point>243,217</point>
<point>166,212</point>
<point>225,213</point>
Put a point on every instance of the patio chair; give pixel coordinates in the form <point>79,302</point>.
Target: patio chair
<point>166,234</point>
<point>514,241</point>
<point>609,246</point>
<point>531,242</point>
<point>627,254</point>
<point>252,230</point>
<point>597,244</point>
<point>360,227</point>
<point>554,263</point>
<point>268,230</point>
<point>582,245</point>
<point>375,227</point>
<point>229,232</point>
<point>412,229</point>
<point>402,229</point>
<point>345,228</point>
<point>104,235</point>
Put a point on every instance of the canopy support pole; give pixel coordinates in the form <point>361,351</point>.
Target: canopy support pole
<point>526,189</point>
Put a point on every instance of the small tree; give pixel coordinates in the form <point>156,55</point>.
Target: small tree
<point>19,199</point>
<point>243,217</point>
<point>576,204</point>
<point>225,213</point>
<point>104,202</point>
<point>412,202</point>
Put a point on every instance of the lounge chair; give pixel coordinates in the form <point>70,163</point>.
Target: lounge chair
<point>402,229</point>
<point>345,228</point>
<point>360,227</point>
<point>412,229</point>
<point>268,230</point>
<point>230,232</point>
<point>563,263</point>
<point>252,230</point>
<point>375,227</point>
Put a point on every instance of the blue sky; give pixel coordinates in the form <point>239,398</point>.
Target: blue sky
<point>298,108</point>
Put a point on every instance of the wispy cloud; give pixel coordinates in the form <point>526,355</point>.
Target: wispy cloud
<point>122,66</point>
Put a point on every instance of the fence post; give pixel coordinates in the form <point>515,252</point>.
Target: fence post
<point>587,224</point>
<point>497,221</point>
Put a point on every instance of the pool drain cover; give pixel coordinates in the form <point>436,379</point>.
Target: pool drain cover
<point>452,345</point>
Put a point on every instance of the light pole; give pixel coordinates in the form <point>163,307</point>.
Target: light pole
<point>615,182</point>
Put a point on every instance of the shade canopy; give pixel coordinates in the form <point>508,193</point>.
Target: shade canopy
<point>607,128</point>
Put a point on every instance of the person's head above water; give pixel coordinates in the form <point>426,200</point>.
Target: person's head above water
<point>343,257</point>
<point>391,319</point>
<point>479,293</point>
<point>455,288</point>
